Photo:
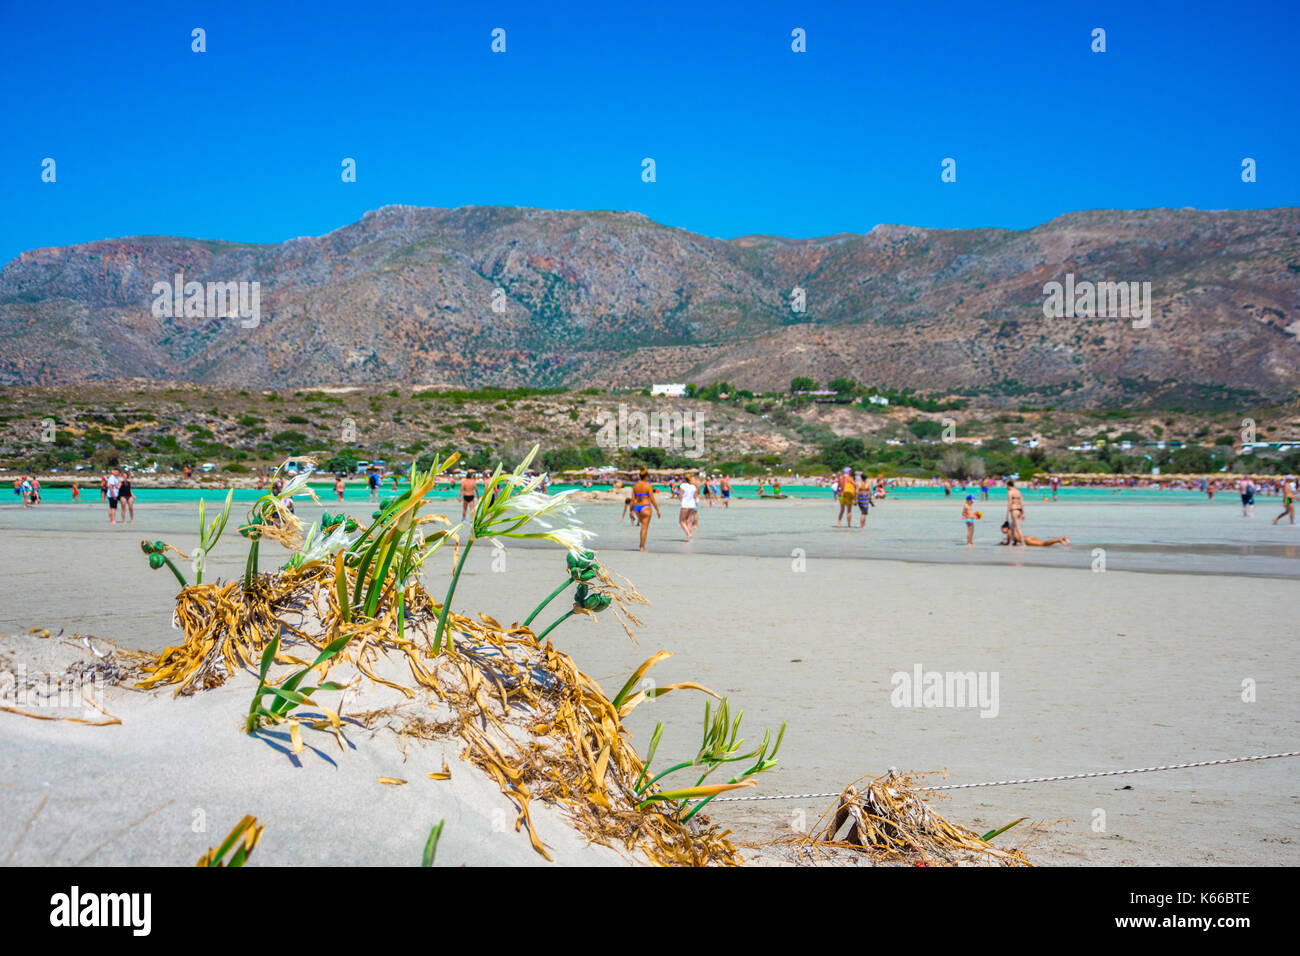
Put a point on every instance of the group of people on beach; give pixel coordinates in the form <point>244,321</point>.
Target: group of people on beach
<point>115,489</point>
<point>28,489</point>
<point>1013,531</point>
<point>852,489</point>
<point>687,488</point>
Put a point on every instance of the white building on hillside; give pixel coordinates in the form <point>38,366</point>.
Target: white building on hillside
<point>671,391</point>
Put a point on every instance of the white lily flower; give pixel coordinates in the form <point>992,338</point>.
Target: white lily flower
<point>535,504</point>
<point>297,483</point>
<point>199,561</point>
<point>326,547</point>
<point>571,538</point>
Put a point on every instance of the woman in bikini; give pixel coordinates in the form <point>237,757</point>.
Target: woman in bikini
<point>1029,540</point>
<point>643,499</point>
<point>864,499</point>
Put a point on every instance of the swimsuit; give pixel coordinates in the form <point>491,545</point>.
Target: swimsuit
<point>641,507</point>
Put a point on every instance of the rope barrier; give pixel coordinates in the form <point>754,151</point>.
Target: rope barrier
<point>1008,783</point>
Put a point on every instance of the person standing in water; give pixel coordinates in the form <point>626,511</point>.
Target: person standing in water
<point>848,497</point>
<point>643,499</point>
<point>339,487</point>
<point>864,499</point>
<point>112,483</point>
<point>689,515</point>
<point>968,515</point>
<point>1015,512</point>
<point>468,492</point>
<point>126,498</point>
<point>1247,488</point>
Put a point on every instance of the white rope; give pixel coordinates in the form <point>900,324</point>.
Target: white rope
<point>1007,783</point>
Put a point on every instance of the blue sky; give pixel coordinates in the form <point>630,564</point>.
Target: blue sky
<point>245,141</point>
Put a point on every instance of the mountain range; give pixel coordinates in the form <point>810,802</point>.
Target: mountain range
<point>513,296</point>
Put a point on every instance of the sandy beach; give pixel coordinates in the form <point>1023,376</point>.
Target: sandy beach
<point>1140,664</point>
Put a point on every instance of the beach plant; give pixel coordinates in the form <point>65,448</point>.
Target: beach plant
<point>584,599</point>
<point>626,700</point>
<point>319,545</point>
<point>394,541</point>
<point>596,591</point>
<point>210,534</point>
<point>157,553</point>
<point>582,567</point>
<point>328,522</point>
<point>271,515</point>
<point>290,693</point>
<point>246,834</point>
<point>431,844</point>
<point>512,507</point>
<point>1000,830</point>
<point>722,745</point>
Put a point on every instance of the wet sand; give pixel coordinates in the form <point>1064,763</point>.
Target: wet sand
<point>1118,669</point>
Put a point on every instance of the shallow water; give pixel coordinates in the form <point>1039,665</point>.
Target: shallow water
<point>1152,531</point>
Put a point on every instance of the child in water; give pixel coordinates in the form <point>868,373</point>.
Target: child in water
<point>968,515</point>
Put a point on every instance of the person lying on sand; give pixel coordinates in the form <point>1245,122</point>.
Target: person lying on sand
<point>1030,540</point>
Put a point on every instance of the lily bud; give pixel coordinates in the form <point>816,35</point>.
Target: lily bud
<point>583,565</point>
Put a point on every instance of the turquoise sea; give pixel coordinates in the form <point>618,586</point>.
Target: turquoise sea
<point>357,494</point>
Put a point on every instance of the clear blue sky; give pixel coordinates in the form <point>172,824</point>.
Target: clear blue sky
<point>245,141</point>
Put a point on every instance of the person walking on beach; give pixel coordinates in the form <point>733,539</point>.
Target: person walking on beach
<point>76,492</point>
<point>1056,486</point>
<point>1288,500</point>
<point>468,492</point>
<point>25,491</point>
<point>848,496</point>
<point>126,498</point>
<point>339,487</point>
<point>1247,489</point>
<point>111,484</point>
<point>689,515</point>
<point>968,515</point>
<point>725,488</point>
<point>103,487</point>
<point>372,481</point>
<point>1015,512</point>
<point>984,489</point>
<point>864,500</point>
<point>643,499</point>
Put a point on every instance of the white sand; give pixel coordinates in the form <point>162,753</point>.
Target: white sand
<point>1097,671</point>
